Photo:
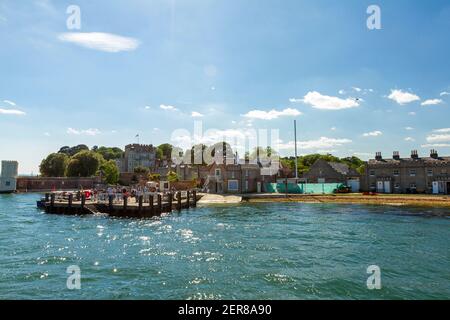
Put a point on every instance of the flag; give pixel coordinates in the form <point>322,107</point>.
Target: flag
<point>137,136</point>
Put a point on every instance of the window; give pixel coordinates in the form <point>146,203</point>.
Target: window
<point>246,185</point>
<point>430,172</point>
<point>246,173</point>
<point>7,183</point>
<point>397,185</point>
<point>233,185</point>
<point>217,172</point>
<point>372,173</point>
<point>232,174</point>
<point>396,173</point>
<point>413,186</point>
<point>412,172</point>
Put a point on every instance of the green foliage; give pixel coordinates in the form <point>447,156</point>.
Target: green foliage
<point>155,177</point>
<point>84,164</point>
<point>109,171</point>
<point>54,165</point>
<point>141,171</point>
<point>172,176</point>
<point>109,153</point>
<point>305,162</point>
<point>166,150</point>
<point>71,151</point>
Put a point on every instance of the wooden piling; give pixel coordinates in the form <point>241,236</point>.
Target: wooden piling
<point>83,202</point>
<point>70,200</point>
<point>125,202</point>
<point>170,201</point>
<point>52,201</point>
<point>194,195</point>
<point>110,203</point>
<point>160,206</point>
<point>47,197</point>
<point>188,199</point>
<point>141,198</point>
<point>179,201</point>
<point>152,208</point>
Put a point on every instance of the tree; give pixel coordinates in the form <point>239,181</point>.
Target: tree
<point>110,171</point>
<point>172,176</point>
<point>54,165</point>
<point>166,150</point>
<point>71,151</point>
<point>84,164</point>
<point>141,170</point>
<point>110,153</point>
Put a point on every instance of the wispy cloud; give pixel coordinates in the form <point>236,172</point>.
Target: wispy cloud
<point>441,135</point>
<point>324,102</point>
<point>87,132</point>
<point>272,114</point>
<point>409,128</point>
<point>168,108</point>
<point>14,112</point>
<point>431,102</point>
<point>436,145</point>
<point>403,97</point>
<point>444,93</point>
<point>106,42</point>
<point>373,134</point>
<point>410,139</point>
<point>321,143</point>
<point>195,114</point>
<point>11,103</point>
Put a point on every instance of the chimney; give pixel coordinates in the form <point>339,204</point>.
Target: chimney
<point>378,156</point>
<point>434,154</point>
<point>396,155</point>
<point>414,154</point>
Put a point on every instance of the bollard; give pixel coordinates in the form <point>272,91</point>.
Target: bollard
<point>194,195</point>
<point>70,200</point>
<point>179,200</point>
<point>83,200</point>
<point>152,208</point>
<point>160,207</point>
<point>141,198</point>
<point>188,198</point>
<point>125,202</point>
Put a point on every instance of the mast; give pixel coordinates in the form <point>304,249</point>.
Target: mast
<point>295,139</point>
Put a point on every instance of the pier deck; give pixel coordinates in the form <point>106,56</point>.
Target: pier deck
<point>127,207</point>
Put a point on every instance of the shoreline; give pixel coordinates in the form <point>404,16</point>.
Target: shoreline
<point>440,201</point>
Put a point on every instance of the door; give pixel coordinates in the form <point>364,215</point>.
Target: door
<point>380,188</point>
<point>354,184</point>
<point>435,187</point>
<point>387,187</point>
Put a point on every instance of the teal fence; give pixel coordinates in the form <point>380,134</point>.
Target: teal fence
<point>308,188</point>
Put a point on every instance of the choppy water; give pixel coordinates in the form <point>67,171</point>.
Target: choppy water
<point>267,251</point>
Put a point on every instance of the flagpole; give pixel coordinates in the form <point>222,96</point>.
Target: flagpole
<point>295,138</point>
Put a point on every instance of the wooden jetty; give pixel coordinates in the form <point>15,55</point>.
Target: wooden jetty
<point>155,205</point>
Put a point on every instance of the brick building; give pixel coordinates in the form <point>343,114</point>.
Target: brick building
<point>408,175</point>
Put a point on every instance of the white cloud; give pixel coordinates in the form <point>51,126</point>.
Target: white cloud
<point>431,102</point>
<point>436,145</point>
<point>46,134</point>
<point>342,92</point>
<point>100,41</point>
<point>444,93</point>
<point>333,128</point>
<point>443,137</point>
<point>11,103</point>
<point>147,107</point>
<point>196,114</point>
<point>14,112</point>
<point>87,132</point>
<point>412,113</point>
<point>409,128</point>
<point>357,89</point>
<point>410,139</point>
<point>444,130</point>
<point>169,108</point>
<point>272,114</point>
<point>319,101</point>
<point>402,97</point>
<point>321,143</point>
<point>373,134</point>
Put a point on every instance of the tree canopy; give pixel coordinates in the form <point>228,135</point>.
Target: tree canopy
<point>71,151</point>
<point>109,153</point>
<point>110,171</point>
<point>54,165</point>
<point>84,164</point>
<point>166,150</point>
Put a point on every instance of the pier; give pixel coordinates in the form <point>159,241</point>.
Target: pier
<point>131,207</point>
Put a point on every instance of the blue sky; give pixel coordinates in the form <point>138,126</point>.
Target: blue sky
<point>151,67</point>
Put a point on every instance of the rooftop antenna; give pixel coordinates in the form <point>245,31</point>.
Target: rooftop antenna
<point>295,139</point>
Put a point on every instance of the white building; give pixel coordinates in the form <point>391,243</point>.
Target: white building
<point>8,176</point>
